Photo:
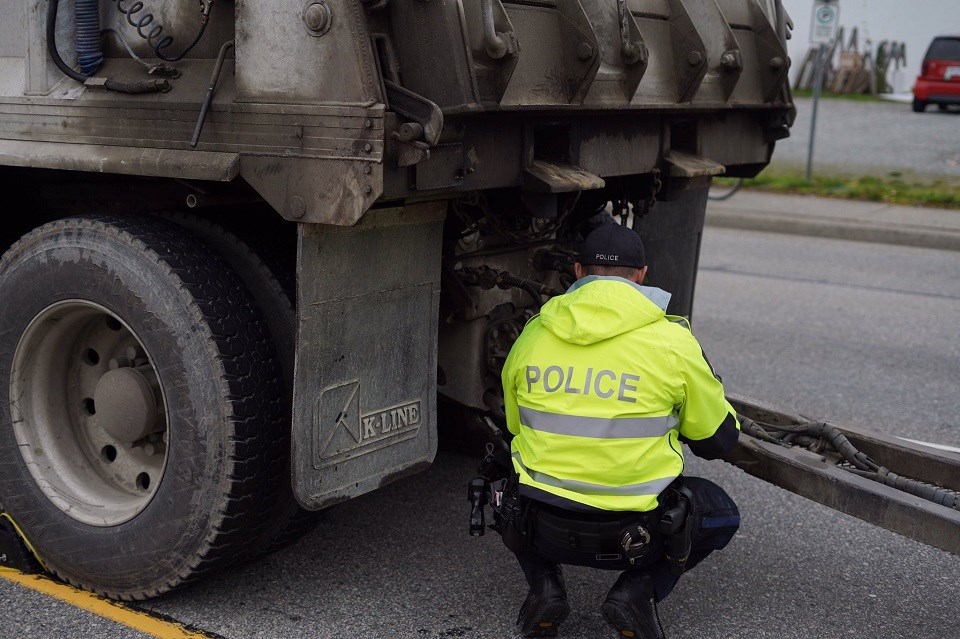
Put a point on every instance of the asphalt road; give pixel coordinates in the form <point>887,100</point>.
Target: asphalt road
<point>857,332</point>
<point>874,138</point>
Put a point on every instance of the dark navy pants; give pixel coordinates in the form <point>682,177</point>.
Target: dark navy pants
<point>715,521</point>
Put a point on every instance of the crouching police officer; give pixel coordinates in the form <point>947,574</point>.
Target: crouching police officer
<point>601,388</point>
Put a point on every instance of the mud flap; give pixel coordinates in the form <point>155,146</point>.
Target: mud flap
<point>365,391</point>
<point>671,234</point>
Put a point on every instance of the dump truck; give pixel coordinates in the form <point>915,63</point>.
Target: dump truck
<point>252,248</point>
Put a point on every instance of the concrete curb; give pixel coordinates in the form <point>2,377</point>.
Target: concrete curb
<point>942,239</point>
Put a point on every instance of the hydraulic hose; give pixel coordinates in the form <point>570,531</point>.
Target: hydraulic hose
<point>862,464</point>
<point>488,278</point>
<point>89,52</point>
<point>918,489</point>
<point>52,7</point>
<point>532,292</point>
<point>143,22</point>
<point>143,86</point>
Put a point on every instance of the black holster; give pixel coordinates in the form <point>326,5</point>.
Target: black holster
<point>513,514</point>
<point>676,524</point>
<point>495,474</point>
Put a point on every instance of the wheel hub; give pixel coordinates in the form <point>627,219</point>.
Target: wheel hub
<point>126,407</point>
<point>88,413</point>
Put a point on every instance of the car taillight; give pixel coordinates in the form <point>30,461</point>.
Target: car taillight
<point>925,69</point>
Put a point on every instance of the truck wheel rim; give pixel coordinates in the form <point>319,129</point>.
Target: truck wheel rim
<point>89,413</point>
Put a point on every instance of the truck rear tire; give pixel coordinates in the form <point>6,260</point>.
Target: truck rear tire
<point>138,392</point>
<point>289,521</point>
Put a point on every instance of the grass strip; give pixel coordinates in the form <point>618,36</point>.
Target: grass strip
<point>827,95</point>
<point>893,189</point>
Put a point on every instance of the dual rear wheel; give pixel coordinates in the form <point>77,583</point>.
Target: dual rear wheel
<point>145,375</point>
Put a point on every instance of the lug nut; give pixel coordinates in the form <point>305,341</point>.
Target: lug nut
<point>298,208</point>
<point>731,60</point>
<point>317,18</point>
<point>584,51</point>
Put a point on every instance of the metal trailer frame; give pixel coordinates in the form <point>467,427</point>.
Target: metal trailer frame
<point>821,479</point>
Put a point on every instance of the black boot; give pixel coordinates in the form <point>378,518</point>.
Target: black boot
<point>629,607</point>
<point>546,605</point>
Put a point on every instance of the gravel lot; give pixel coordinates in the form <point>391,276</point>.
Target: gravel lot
<point>874,138</point>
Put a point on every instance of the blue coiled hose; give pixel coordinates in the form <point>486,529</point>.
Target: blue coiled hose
<point>142,86</point>
<point>89,52</point>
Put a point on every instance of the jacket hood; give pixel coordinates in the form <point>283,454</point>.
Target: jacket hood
<point>598,308</point>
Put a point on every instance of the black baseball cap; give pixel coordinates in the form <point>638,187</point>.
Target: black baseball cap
<point>613,245</point>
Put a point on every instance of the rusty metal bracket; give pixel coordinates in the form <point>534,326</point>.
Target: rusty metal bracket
<point>633,50</point>
<point>497,43</point>
<point>417,108</point>
<point>771,54</point>
<point>446,167</point>
<point>410,153</point>
<point>724,57</point>
<point>580,51</point>
<point>689,52</point>
<point>494,46</point>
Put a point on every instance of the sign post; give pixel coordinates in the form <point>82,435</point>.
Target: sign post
<point>823,32</point>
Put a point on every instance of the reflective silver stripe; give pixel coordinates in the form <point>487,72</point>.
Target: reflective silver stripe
<point>653,487</point>
<point>599,427</point>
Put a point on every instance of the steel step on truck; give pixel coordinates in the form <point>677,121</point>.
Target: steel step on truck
<point>248,246</point>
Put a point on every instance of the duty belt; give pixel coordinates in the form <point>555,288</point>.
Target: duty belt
<point>631,536</point>
<point>601,536</point>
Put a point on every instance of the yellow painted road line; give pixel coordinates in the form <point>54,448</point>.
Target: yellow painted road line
<point>105,608</point>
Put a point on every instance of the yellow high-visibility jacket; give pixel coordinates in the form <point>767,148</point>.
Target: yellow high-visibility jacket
<point>600,389</point>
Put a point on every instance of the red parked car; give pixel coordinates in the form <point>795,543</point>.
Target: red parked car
<point>939,79</point>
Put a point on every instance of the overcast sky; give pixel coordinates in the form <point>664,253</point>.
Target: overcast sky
<point>915,22</point>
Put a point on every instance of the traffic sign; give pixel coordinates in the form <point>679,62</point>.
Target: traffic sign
<point>826,18</point>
